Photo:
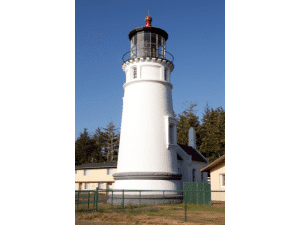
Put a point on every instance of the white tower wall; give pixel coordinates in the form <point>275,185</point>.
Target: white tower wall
<point>147,113</point>
<point>146,103</point>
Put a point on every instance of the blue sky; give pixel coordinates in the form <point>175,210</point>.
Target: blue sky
<point>196,32</point>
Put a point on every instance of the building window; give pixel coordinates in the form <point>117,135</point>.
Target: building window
<point>223,180</point>
<point>194,171</point>
<point>86,172</point>
<point>202,178</point>
<point>100,185</point>
<point>87,186</point>
<point>75,171</point>
<point>134,72</point>
<point>109,185</point>
<point>109,171</point>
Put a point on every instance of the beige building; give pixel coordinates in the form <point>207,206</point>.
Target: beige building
<point>217,178</point>
<point>92,175</point>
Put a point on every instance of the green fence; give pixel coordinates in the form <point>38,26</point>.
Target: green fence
<point>89,197</point>
<point>197,196</point>
<point>197,193</point>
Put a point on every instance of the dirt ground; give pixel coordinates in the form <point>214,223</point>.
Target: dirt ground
<point>203,218</point>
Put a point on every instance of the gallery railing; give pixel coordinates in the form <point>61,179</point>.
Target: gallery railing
<point>147,52</point>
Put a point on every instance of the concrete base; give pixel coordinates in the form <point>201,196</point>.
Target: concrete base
<point>155,199</point>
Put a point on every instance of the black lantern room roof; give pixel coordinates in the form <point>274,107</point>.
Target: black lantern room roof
<point>156,30</point>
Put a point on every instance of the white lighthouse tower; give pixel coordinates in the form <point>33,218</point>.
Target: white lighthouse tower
<point>147,157</point>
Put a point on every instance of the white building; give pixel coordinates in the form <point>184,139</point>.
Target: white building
<point>149,156</point>
<point>191,165</point>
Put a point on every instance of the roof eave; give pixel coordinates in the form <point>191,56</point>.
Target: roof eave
<point>214,164</point>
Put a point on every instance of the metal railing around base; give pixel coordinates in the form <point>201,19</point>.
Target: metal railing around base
<point>137,194</point>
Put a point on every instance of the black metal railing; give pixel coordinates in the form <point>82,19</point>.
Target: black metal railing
<point>147,52</point>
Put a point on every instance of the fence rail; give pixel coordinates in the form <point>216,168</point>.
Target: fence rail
<point>94,201</point>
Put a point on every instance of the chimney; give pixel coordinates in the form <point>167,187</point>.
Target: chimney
<point>192,138</point>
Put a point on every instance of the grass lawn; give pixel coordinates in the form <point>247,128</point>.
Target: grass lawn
<point>195,213</point>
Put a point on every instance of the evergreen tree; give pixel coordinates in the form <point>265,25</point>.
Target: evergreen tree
<point>112,139</point>
<point>186,120</point>
<point>84,147</point>
<point>212,133</point>
<point>103,146</point>
<point>98,153</point>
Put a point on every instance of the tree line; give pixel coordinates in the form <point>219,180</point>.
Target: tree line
<point>103,145</point>
<point>210,134</point>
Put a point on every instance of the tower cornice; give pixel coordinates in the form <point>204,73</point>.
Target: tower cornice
<point>161,61</point>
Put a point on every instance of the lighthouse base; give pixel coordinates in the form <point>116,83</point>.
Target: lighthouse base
<point>151,188</point>
<point>153,199</point>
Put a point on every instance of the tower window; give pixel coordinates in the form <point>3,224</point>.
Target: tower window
<point>147,39</point>
<point>163,49</point>
<point>166,74</point>
<point>134,71</point>
<point>147,47</point>
<point>171,133</point>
